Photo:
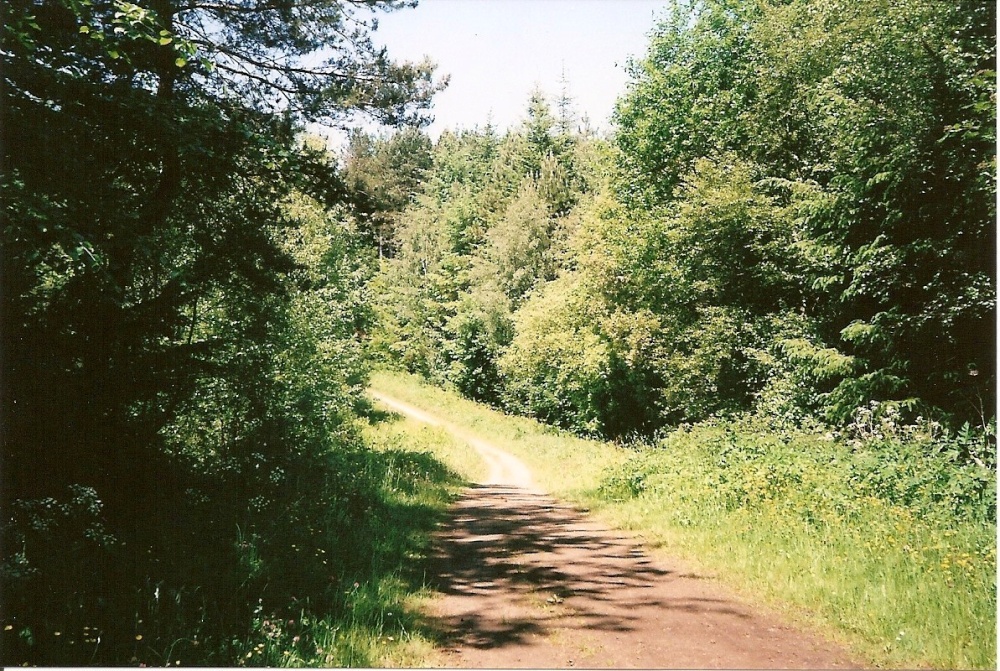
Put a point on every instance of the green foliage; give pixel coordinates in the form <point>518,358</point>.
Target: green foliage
<point>557,362</point>
<point>806,157</point>
<point>475,338</point>
<point>384,177</point>
<point>885,534</point>
<point>493,222</point>
<point>577,365</point>
<point>518,252</point>
<point>181,312</point>
<point>370,568</point>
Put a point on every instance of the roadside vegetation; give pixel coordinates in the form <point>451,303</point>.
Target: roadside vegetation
<point>185,480</point>
<point>561,463</point>
<point>333,580</point>
<point>795,216</point>
<point>886,540</point>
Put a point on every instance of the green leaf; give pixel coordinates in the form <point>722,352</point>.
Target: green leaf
<point>113,53</point>
<point>84,29</point>
<point>180,62</point>
<point>165,41</point>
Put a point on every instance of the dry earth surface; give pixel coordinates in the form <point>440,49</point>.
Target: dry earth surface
<point>529,582</point>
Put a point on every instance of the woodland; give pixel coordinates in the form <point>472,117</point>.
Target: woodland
<point>791,226</point>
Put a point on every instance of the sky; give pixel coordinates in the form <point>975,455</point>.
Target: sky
<point>496,51</point>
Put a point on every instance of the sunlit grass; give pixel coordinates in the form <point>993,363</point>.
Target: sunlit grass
<point>402,433</point>
<point>902,590</point>
<point>899,586</point>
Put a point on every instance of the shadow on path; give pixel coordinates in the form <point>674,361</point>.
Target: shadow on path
<point>504,542</point>
<point>528,582</point>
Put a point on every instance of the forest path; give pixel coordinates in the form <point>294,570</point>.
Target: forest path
<point>529,582</point>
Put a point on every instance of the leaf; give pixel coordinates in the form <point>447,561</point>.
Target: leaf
<point>113,53</point>
<point>180,62</point>
<point>84,29</point>
<point>165,41</point>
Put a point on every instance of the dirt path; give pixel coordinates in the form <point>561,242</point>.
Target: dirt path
<point>528,582</point>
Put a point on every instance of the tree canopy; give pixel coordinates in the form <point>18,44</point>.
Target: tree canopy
<point>796,212</point>
<point>182,298</point>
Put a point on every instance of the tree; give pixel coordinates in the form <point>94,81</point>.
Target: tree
<point>385,175</point>
<point>868,130</point>
<point>518,251</point>
<point>152,309</point>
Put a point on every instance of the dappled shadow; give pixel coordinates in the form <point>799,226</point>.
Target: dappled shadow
<point>505,543</point>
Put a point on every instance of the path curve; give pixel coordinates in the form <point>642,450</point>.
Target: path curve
<point>529,582</point>
<point>504,468</point>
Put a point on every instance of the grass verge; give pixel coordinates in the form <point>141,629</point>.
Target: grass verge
<point>884,546</point>
<point>378,623</point>
<point>545,449</point>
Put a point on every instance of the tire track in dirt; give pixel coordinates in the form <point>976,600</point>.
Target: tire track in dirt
<point>529,582</point>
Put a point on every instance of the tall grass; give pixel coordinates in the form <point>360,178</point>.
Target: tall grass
<point>800,521</point>
<point>887,544</point>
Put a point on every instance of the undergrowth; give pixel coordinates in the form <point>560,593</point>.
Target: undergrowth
<point>892,543</point>
<point>328,578</point>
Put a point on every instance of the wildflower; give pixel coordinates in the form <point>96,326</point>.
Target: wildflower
<point>8,627</point>
<point>295,640</point>
<point>138,637</point>
<point>57,633</point>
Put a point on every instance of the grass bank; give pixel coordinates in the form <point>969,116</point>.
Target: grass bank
<point>563,464</point>
<point>888,544</point>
